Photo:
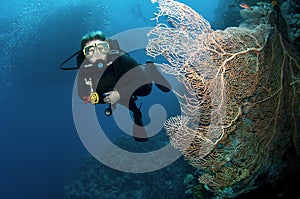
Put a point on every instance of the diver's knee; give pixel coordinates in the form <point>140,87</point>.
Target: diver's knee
<point>143,90</point>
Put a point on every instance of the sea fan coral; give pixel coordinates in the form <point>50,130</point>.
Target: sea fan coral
<point>235,123</point>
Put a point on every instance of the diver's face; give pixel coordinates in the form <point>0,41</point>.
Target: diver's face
<point>96,50</point>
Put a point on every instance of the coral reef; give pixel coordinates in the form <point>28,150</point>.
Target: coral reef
<point>97,181</point>
<point>288,11</point>
<point>240,115</point>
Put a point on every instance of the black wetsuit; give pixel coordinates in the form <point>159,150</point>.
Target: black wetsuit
<point>109,76</point>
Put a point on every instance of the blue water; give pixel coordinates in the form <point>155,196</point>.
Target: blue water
<point>40,149</point>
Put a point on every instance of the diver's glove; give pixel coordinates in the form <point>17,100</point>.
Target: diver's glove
<point>112,97</point>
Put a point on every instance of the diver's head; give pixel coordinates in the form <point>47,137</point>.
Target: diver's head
<point>94,46</point>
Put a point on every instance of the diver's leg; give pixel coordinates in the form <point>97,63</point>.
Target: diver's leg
<point>159,80</point>
<point>139,132</point>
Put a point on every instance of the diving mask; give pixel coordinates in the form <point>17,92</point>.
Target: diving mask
<point>90,50</point>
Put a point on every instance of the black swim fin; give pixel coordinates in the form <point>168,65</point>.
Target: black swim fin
<point>139,132</point>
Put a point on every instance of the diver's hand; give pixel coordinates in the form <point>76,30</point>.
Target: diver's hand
<point>112,97</point>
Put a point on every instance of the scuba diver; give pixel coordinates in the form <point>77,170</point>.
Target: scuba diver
<point>102,64</point>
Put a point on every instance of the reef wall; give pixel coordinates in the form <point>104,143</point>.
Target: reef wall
<point>240,111</point>
<point>227,14</point>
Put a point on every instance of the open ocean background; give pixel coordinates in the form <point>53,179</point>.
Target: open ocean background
<point>40,149</point>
